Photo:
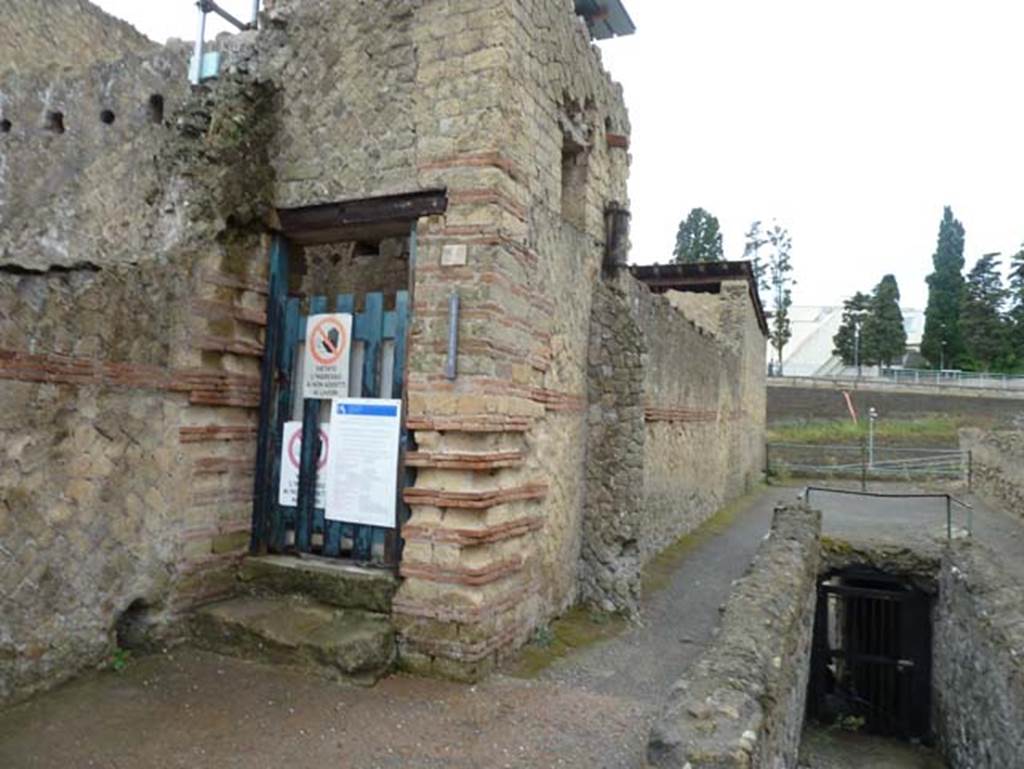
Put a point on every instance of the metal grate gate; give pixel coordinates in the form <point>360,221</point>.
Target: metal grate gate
<point>871,659</point>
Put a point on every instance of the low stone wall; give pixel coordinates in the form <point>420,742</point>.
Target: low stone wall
<point>796,399</point>
<point>997,465</point>
<point>978,666</point>
<point>742,702</point>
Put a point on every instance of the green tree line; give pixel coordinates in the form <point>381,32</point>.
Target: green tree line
<point>871,332</point>
<point>973,322</point>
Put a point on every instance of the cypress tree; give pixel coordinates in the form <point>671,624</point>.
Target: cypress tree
<point>986,343</point>
<point>699,238</point>
<point>942,343</point>
<point>855,310</point>
<point>1015,315</point>
<point>884,337</point>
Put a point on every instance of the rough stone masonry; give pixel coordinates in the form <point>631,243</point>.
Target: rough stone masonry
<point>133,261</point>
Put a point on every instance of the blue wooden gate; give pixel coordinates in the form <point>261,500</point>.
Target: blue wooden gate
<point>379,342</point>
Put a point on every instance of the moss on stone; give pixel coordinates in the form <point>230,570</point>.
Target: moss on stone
<point>579,627</point>
<point>659,570</point>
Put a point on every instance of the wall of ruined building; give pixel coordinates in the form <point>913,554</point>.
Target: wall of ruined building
<point>132,291</point>
<point>64,34</point>
<point>740,329</point>
<point>978,664</point>
<point>674,414</point>
<point>614,513</point>
<point>492,549</point>
<point>329,101</point>
<point>741,704</point>
<point>354,268</point>
<point>704,310</point>
<point>349,114</point>
<point>997,466</point>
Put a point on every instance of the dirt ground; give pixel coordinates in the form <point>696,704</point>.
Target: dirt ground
<point>831,748</point>
<point>590,708</point>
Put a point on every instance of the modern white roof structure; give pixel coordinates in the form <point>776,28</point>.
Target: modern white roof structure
<point>809,351</point>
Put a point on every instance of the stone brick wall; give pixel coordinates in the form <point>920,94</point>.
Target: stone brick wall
<point>63,34</point>
<point>676,428</point>
<point>505,92</point>
<point>133,262</point>
<point>131,310</point>
<point>703,309</point>
<point>352,105</point>
<point>354,268</point>
<point>742,702</point>
<point>997,466</point>
<point>978,665</point>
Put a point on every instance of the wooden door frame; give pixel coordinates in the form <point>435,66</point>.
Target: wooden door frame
<point>366,218</point>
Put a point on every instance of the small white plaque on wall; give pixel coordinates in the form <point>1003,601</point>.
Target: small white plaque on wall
<point>453,256</point>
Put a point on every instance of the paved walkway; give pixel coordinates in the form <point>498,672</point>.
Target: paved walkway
<point>921,523</point>
<point>590,709</point>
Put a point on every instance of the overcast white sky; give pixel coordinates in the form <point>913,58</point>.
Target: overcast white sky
<point>850,123</point>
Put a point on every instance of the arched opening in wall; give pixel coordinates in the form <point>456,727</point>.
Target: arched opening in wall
<point>575,173</point>
<point>55,121</point>
<point>871,658</point>
<point>155,108</point>
<point>133,628</point>
<point>5,126</point>
<point>107,117</point>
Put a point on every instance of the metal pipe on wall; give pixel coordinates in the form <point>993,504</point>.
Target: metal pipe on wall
<point>196,69</point>
<point>453,335</point>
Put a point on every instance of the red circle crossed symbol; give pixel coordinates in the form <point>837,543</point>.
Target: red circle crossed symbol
<point>294,443</point>
<point>327,341</point>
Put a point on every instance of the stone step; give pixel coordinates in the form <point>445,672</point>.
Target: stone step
<point>325,580</point>
<point>345,644</point>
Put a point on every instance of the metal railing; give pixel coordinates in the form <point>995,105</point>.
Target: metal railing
<point>916,376</point>
<point>948,499</point>
<point>864,462</point>
<point>954,378</point>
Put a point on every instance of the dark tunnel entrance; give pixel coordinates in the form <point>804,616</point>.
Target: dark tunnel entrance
<point>871,657</point>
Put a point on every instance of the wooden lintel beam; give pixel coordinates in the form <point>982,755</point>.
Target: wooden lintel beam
<point>305,223</point>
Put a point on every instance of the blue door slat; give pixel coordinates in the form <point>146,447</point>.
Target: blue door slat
<point>304,524</point>
<point>334,530</point>
<point>262,500</point>
<point>286,365</point>
<point>372,326</point>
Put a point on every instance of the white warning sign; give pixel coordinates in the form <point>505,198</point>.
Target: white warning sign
<point>291,450</point>
<point>327,348</point>
<point>362,470</point>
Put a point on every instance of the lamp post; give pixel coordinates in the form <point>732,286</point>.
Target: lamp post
<point>858,319</point>
<point>872,416</point>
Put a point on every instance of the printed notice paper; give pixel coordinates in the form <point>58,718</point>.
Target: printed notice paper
<point>362,465</point>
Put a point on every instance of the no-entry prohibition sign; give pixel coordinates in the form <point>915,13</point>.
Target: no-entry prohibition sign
<point>291,448</point>
<point>325,373</point>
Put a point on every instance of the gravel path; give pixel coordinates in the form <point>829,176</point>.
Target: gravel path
<point>590,709</point>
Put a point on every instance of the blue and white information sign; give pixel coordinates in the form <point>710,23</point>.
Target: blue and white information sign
<point>362,466</point>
